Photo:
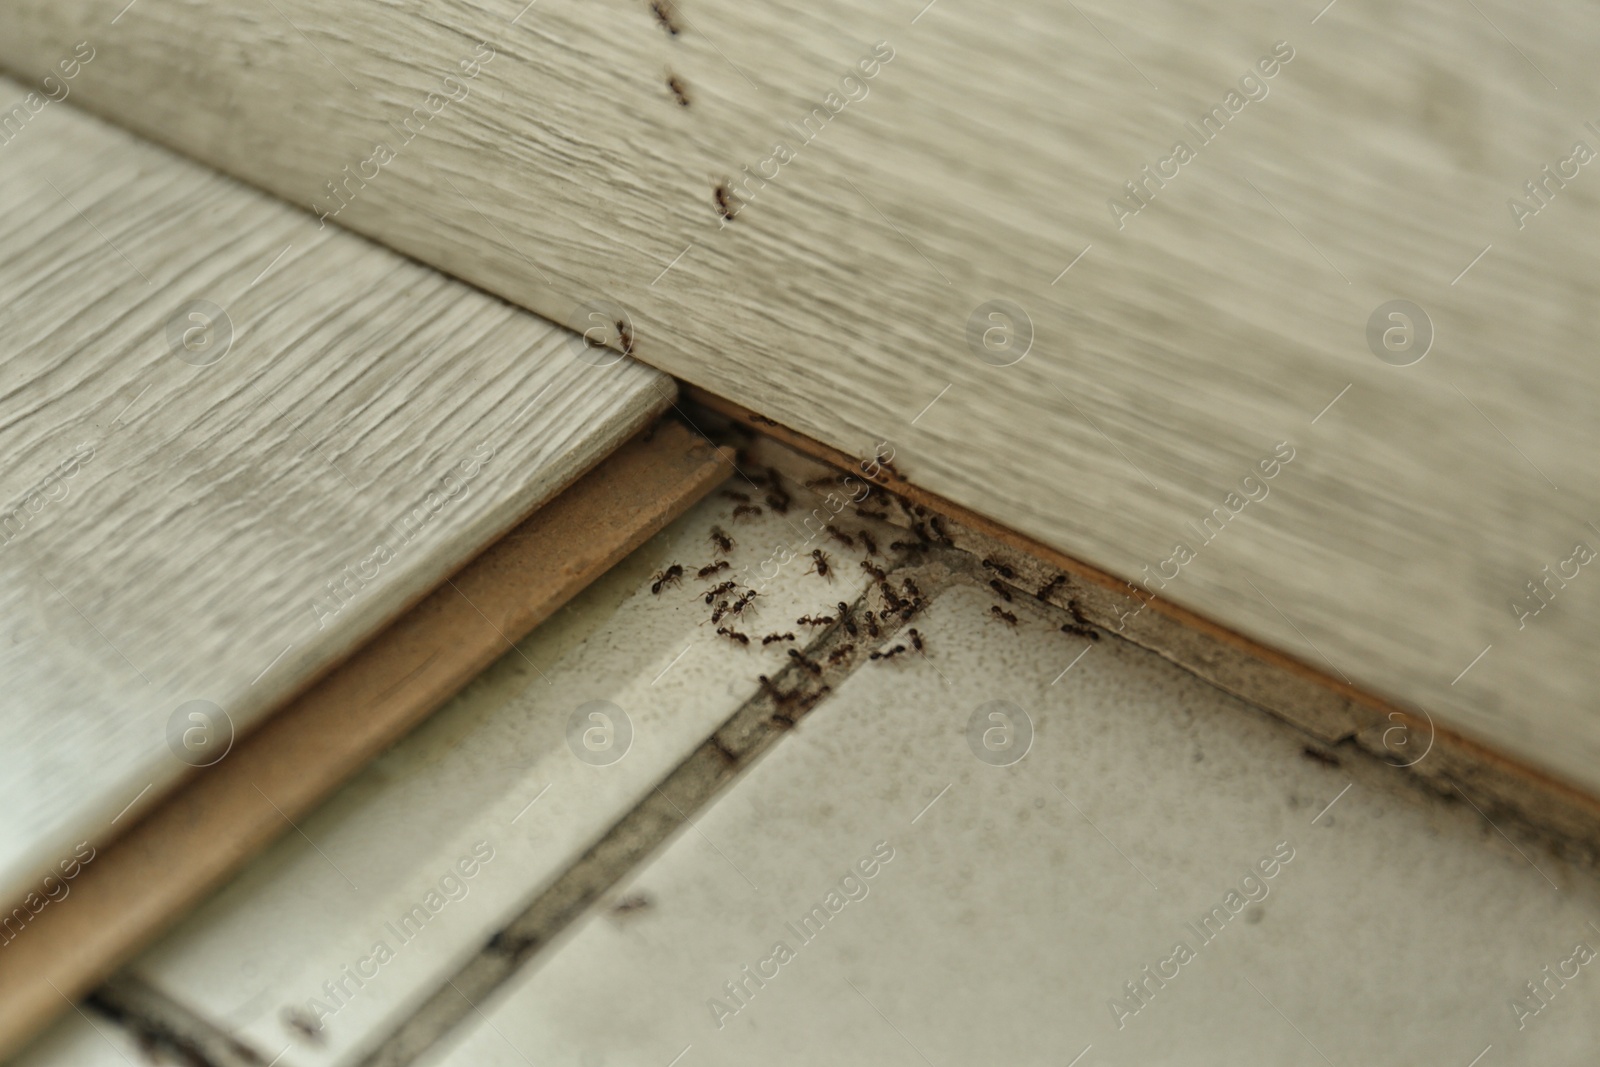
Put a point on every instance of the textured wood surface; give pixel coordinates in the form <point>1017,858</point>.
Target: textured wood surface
<point>225,532</point>
<point>205,831</point>
<point>571,152</point>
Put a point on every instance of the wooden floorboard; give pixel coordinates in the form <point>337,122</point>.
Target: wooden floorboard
<point>207,505</point>
<point>566,154</point>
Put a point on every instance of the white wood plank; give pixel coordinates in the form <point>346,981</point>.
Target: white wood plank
<point>1225,317</point>
<point>1020,899</point>
<point>492,771</point>
<point>176,532</point>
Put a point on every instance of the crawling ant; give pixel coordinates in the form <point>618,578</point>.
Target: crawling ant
<point>778,695</point>
<point>746,509</point>
<point>678,90</point>
<point>843,538</point>
<point>837,656</point>
<point>868,543</point>
<point>712,568</point>
<point>671,576</point>
<point>733,635</point>
<point>1051,586</point>
<point>662,9</point>
<point>1003,615</point>
<point>721,540</point>
<point>625,335</point>
<point>722,609</point>
<point>743,602</point>
<point>814,620</point>
<point>909,546</point>
<point>916,639</point>
<point>719,590</point>
<point>937,525</point>
<point>723,207</point>
<point>781,720</point>
<point>844,614</point>
<point>771,638</point>
<point>628,905</point>
<point>995,584</point>
<point>881,516</point>
<point>922,533</point>
<point>911,589</point>
<point>742,498</point>
<point>890,597</point>
<point>1077,630</point>
<point>893,652</point>
<point>876,572</point>
<point>777,499</point>
<point>820,562</point>
<point>1077,612</point>
<point>809,664</point>
<point>1324,758</point>
<point>871,619</point>
<point>1000,568</point>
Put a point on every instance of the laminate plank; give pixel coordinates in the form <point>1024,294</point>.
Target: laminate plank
<point>172,860</point>
<point>219,509</point>
<point>949,887</point>
<point>574,153</point>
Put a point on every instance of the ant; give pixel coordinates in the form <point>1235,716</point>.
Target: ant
<point>820,562</point>
<point>911,589</point>
<point>719,590</point>
<point>770,638</point>
<point>778,695</point>
<point>733,635</point>
<point>721,193</point>
<point>625,335</point>
<point>916,639</point>
<point>671,576</point>
<point>1321,757</point>
<point>939,531</point>
<point>1077,630</point>
<point>628,905</point>
<point>677,90</point>
<point>809,664</point>
<point>744,602</point>
<point>722,609</point>
<point>1000,568</point>
<point>814,620</point>
<point>867,541</point>
<point>777,499</point>
<point>712,568</point>
<point>721,540</point>
<point>871,620</point>
<point>662,9</point>
<point>746,509</point>
<point>742,498</point>
<point>893,652</point>
<point>909,546</point>
<point>881,516</point>
<point>1004,615</point>
<point>838,655</point>
<point>994,583</point>
<point>1050,587</point>
<point>843,538</point>
<point>844,614</point>
<point>876,572</point>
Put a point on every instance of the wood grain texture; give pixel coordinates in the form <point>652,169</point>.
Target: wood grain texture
<point>1190,338</point>
<point>227,532</point>
<point>176,856</point>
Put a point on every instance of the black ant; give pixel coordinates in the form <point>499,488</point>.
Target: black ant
<point>809,664</point>
<point>908,546</point>
<point>712,568</point>
<point>777,499</point>
<point>893,652</point>
<point>778,695</point>
<point>939,531</point>
<point>733,635</point>
<point>1080,631</point>
<point>994,583</point>
<point>868,543</point>
<point>814,620</point>
<point>746,509</point>
<point>916,639</point>
<point>625,335</point>
<point>744,602</point>
<point>1000,568</point>
<point>838,535</point>
<point>1077,612</point>
<point>721,193</point>
<point>819,562</point>
<point>721,540</point>
<point>876,572</point>
<point>871,619</point>
<point>678,90</point>
<point>1050,587</point>
<point>911,589</point>
<point>879,515</point>
<point>719,590</point>
<point>771,638</point>
<point>671,576</point>
<point>1003,615</point>
<point>722,609</point>
<point>628,905</point>
<point>662,9</point>
<point>844,614</point>
<point>838,655</point>
<point>742,498</point>
<point>1321,757</point>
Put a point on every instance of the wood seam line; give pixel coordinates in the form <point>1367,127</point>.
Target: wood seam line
<point>203,832</point>
<point>1480,757</point>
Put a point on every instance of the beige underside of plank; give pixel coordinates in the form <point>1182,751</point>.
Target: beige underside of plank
<point>176,532</point>
<point>1221,319</point>
<point>157,872</point>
